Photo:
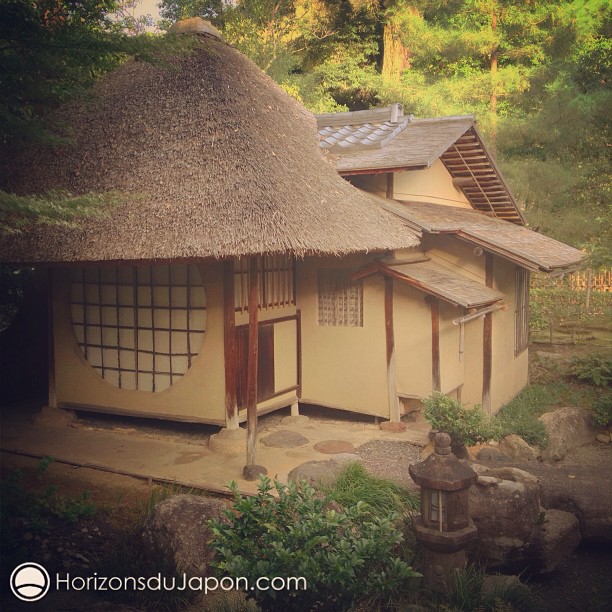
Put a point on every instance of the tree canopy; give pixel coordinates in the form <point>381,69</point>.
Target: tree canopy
<point>535,72</point>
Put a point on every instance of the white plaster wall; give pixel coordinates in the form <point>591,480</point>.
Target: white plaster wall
<point>343,367</point>
<point>433,184</point>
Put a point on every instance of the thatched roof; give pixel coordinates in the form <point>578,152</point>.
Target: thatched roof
<point>217,161</point>
<point>386,140</point>
<point>519,244</point>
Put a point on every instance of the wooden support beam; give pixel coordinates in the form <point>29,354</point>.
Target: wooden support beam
<point>390,185</point>
<point>394,409</point>
<point>251,403</point>
<point>298,322</point>
<point>436,382</point>
<point>487,341</point>
<point>229,345</point>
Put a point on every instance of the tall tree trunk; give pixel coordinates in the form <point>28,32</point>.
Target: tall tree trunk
<point>493,98</point>
<point>396,57</point>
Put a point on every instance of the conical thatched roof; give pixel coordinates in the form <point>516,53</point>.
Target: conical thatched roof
<point>217,160</point>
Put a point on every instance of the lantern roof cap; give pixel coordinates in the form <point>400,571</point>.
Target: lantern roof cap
<point>442,470</point>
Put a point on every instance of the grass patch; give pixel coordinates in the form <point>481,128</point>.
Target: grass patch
<point>381,496</point>
<point>520,415</point>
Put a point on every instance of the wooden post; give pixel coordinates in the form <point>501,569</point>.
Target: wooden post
<point>390,185</point>
<point>251,402</point>
<point>435,345</point>
<point>52,395</point>
<point>394,410</point>
<point>229,345</point>
<point>487,341</point>
<point>589,286</point>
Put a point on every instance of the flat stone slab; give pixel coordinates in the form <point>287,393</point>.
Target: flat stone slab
<point>393,427</point>
<point>285,439</point>
<point>334,447</point>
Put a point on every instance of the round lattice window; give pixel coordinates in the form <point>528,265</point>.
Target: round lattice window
<point>139,327</point>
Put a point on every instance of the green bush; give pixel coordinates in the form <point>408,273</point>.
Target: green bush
<point>594,369</point>
<point>464,425</point>
<point>343,554</point>
<point>602,410</point>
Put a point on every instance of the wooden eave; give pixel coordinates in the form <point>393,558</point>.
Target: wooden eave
<point>433,279</point>
<point>486,190</point>
<point>491,234</point>
<point>385,170</point>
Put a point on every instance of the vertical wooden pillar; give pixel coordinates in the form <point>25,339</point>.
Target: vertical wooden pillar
<point>52,395</point>
<point>229,345</point>
<point>436,383</point>
<point>295,407</point>
<point>394,410</point>
<point>390,185</point>
<point>487,342</point>
<point>251,470</point>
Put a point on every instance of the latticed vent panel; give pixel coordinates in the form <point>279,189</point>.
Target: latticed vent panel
<point>139,327</point>
<point>276,278</point>
<point>340,300</point>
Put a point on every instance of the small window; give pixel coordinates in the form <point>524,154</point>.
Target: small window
<point>521,313</point>
<point>139,328</point>
<point>276,275</point>
<point>340,300</point>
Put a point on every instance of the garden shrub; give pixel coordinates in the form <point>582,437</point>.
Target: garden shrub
<point>594,369</point>
<point>467,426</point>
<point>344,554</point>
<point>602,410</point>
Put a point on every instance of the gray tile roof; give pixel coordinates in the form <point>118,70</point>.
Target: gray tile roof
<point>387,139</point>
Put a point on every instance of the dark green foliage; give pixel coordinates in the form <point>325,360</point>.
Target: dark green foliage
<point>594,369</point>
<point>52,208</point>
<point>20,507</point>
<point>344,554</point>
<point>602,410</point>
<point>466,594</point>
<point>54,50</point>
<point>464,425</point>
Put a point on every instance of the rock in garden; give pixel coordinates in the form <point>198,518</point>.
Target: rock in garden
<point>557,536</point>
<point>514,531</point>
<point>505,514</point>
<point>284,439</point>
<point>253,471</point>
<point>499,583</point>
<point>491,454</point>
<point>317,472</point>
<point>567,428</point>
<point>178,529</point>
<point>517,449</point>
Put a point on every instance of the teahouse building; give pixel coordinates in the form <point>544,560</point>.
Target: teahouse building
<point>241,273</point>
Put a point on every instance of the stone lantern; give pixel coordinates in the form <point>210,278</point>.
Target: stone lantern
<point>444,528</point>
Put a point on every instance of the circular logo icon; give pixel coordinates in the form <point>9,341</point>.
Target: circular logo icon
<point>30,582</point>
